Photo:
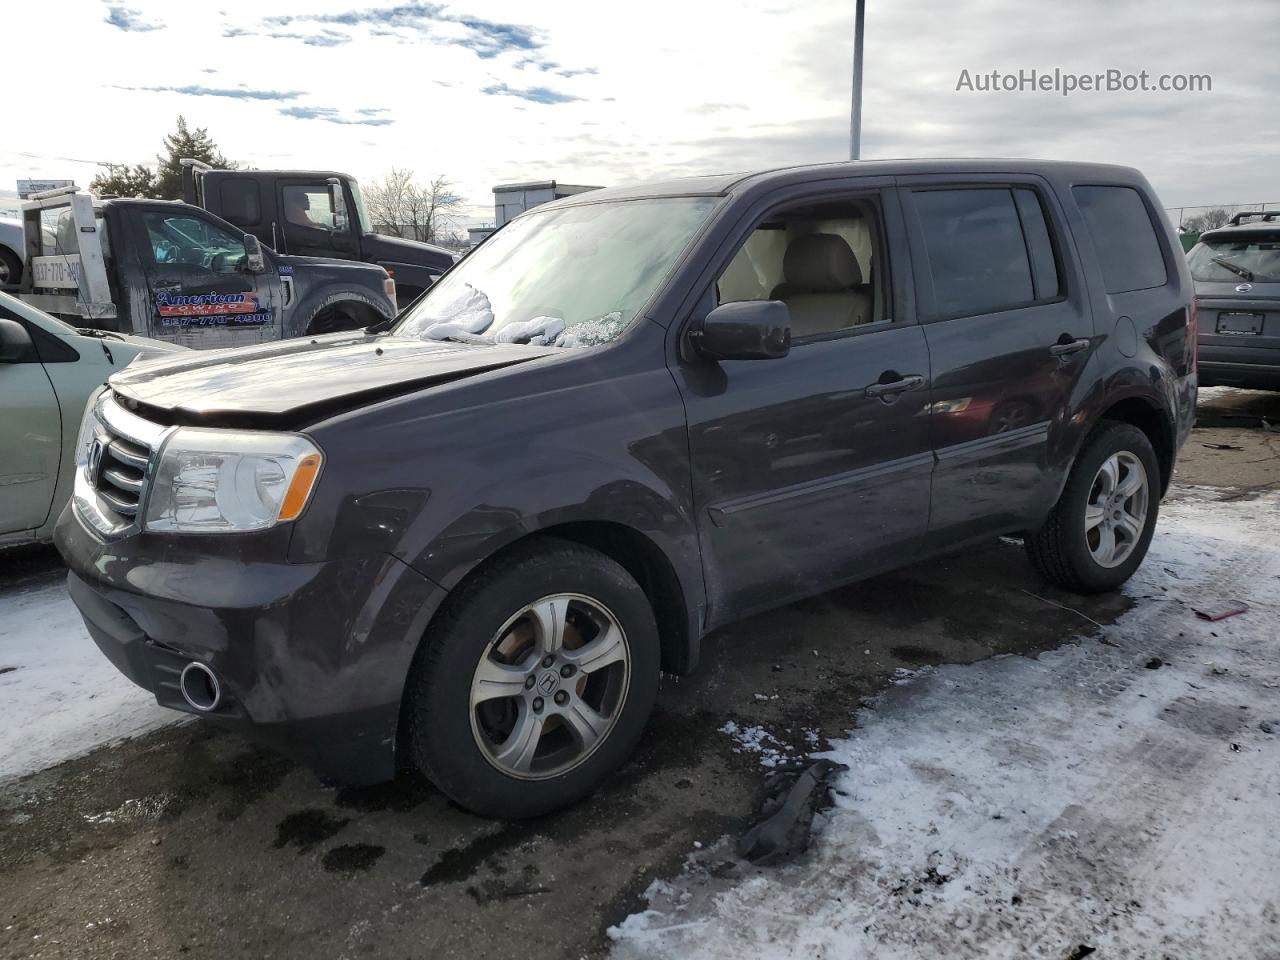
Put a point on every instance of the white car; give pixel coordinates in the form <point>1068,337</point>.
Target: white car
<point>48,372</point>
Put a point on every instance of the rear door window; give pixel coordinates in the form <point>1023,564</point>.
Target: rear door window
<point>1124,237</point>
<point>978,259</point>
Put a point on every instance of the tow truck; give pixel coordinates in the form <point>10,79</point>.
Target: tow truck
<point>312,212</point>
<point>176,272</point>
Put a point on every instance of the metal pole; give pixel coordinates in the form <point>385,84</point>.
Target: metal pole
<point>855,114</point>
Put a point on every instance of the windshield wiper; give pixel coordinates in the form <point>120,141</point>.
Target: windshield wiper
<point>1234,267</point>
<point>99,334</point>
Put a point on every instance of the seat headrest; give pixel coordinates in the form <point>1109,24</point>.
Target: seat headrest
<point>821,262</point>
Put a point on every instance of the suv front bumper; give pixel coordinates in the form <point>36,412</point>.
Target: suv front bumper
<point>310,658</point>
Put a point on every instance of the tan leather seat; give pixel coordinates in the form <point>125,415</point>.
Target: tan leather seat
<point>822,285</point>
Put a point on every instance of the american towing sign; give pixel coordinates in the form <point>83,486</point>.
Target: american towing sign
<point>210,309</point>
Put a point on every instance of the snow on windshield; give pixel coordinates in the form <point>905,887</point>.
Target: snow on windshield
<point>573,276</point>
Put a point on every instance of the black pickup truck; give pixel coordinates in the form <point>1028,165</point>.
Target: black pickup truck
<point>314,213</point>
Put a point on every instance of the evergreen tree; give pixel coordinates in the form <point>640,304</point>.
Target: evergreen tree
<point>184,142</point>
<point>165,182</point>
<point>122,180</point>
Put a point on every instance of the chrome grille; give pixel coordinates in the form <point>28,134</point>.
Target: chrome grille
<point>119,467</point>
<point>122,475</point>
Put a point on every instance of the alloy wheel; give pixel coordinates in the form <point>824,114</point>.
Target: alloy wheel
<point>1116,513</point>
<point>550,686</point>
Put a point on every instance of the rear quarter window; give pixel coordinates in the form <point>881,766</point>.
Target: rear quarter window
<point>1124,237</point>
<point>241,202</point>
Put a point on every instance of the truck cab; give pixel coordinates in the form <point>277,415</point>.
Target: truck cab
<point>316,213</point>
<point>177,273</point>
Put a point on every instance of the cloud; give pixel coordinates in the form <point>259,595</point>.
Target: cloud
<point>129,20</point>
<point>532,94</point>
<point>486,38</point>
<point>331,115</point>
<point>233,93</point>
<point>329,38</point>
<point>551,66</point>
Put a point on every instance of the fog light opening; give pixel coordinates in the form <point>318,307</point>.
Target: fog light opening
<point>200,687</point>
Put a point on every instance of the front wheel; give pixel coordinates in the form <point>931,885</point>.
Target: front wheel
<point>536,681</point>
<point>1101,526</point>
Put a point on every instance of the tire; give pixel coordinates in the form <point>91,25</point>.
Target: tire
<point>481,680</point>
<point>10,268</point>
<point>335,318</point>
<point>1067,552</point>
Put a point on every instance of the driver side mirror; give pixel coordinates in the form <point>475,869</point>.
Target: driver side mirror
<point>338,200</point>
<point>747,330</point>
<point>15,342</point>
<point>254,261</point>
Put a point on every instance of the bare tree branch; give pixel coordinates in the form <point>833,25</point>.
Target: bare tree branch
<point>400,207</point>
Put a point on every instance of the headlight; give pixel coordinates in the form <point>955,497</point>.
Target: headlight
<point>222,481</point>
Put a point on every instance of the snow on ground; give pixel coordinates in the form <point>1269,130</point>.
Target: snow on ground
<point>1118,794</point>
<point>59,696</point>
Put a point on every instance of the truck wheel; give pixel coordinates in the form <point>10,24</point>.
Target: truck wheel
<point>1101,526</point>
<point>535,681</point>
<point>10,268</point>
<point>342,316</point>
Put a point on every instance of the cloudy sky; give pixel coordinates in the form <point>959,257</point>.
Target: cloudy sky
<point>491,91</point>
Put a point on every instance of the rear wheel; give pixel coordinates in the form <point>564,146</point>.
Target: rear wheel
<point>1101,527</point>
<point>536,681</point>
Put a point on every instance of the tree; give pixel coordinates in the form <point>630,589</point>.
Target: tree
<point>122,180</point>
<point>165,182</point>
<point>197,145</point>
<point>400,207</point>
<point>1209,220</point>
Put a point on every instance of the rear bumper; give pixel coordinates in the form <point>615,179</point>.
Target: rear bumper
<point>1252,368</point>
<point>311,658</point>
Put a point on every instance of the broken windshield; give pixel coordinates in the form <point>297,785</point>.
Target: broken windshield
<point>572,276</point>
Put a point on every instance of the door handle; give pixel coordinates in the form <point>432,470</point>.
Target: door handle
<point>1061,349</point>
<point>912,382</point>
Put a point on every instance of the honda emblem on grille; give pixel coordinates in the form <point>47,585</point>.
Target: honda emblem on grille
<point>1243,287</point>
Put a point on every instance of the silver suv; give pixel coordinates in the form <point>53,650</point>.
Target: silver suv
<point>1236,269</point>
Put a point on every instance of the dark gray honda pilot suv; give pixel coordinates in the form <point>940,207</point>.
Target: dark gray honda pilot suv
<point>470,540</point>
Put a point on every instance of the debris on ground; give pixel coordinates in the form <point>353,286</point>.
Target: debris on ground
<point>1221,611</point>
<point>793,794</point>
<point>1155,663</point>
<point>1221,446</point>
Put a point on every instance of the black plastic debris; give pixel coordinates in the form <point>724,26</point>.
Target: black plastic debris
<point>793,794</point>
<point>1080,952</point>
<point>1155,663</point>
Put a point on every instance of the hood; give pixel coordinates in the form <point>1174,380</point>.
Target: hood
<point>1226,290</point>
<point>298,381</point>
<point>328,263</point>
<point>407,251</point>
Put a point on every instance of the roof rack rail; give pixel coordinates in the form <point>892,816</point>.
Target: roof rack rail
<point>1249,215</point>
